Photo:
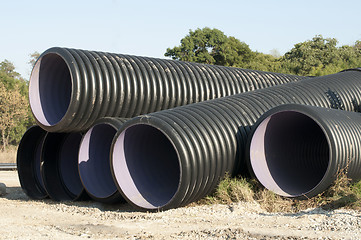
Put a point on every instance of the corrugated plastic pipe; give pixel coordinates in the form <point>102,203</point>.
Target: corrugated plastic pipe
<point>70,89</point>
<point>94,160</point>
<point>172,157</point>
<point>60,166</point>
<point>29,163</point>
<point>298,151</point>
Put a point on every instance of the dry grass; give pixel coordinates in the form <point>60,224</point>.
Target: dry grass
<point>8,155</point>
<point>342,193</point>
<point>231,190</point>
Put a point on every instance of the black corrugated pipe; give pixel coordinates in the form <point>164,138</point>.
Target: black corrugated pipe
<point>94,160</point>
<point>60,166</point>
<point>29,163</point>
<point>173,157</point>
<point>298,151</point>
<point>70,89</point>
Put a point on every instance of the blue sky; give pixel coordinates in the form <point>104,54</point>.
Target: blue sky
<point>148,28</point>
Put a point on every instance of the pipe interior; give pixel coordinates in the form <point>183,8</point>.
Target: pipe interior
<point>289,153</point>
<point>146,166</point>
<point>50,89</point>
<point>94,161</point>
<point>68,163</point>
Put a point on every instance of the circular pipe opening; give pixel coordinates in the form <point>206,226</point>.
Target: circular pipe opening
<point>94,161</point>
<point>145,166</point>
<point>289,153</point>
<point>50,89</point>
<point>68,164</point>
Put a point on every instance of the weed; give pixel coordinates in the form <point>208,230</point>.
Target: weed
<point>342,193</point>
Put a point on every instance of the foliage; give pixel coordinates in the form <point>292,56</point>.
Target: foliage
<point>315,57</point>
<point>211,46</point>
<point>232,190</point>
<point>342,193</point>
<point>321,56</point>
<point>8,69</point>
<point>13,109</point>
<point>33,57</point>
<point>16,116</point>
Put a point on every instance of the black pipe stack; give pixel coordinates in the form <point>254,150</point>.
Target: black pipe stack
<point>71,90</point>
<point>202,142</point>
<point>190,125</point>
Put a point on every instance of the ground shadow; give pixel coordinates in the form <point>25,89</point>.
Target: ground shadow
<point>16,193</point>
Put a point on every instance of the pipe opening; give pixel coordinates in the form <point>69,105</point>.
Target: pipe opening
<point>50,89</point>
<point>289,153</point>
<point>68,163</point>
<point>146,166</point>
<point>94,161</point>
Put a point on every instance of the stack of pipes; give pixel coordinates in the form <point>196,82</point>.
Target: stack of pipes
<point>161,134</point>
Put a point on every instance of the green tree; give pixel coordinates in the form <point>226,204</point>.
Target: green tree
<point>33,57</point>
<point>357,45</point>
<point>13,110</point>
<point>315,57</point>
<point>11,79</point>
<point>211,46</point>
<point>321,56</point>
<point>266,62</point>
<point>8,68</point>
<point>12,83</point>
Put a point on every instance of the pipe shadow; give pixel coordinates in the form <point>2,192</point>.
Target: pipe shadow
<point>17,194</point>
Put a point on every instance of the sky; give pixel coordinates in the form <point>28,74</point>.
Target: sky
<point>148,28</point>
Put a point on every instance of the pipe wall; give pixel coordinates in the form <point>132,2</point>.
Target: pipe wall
<point>173,157</point>
<point>60,166</point>
<point>297,150</point>
<point>29,163</point>
<point>70,89</point>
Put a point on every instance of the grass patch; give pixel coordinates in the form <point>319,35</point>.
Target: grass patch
<point>341,194</point>
<point>8,155</point>
<point>231,190</point>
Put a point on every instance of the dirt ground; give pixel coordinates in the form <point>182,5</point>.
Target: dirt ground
<point>21,218</point>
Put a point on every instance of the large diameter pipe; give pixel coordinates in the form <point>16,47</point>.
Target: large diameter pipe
<point>29,163</point>
<point>298,151</point>
<point>94,161</point>
<point>173,157</point>
<point>70,89</point>
<point>60,166</point>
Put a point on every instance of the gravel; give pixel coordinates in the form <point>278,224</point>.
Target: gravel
<point>22,218</point>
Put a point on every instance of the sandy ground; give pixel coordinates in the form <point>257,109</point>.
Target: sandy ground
<point>21,218</point>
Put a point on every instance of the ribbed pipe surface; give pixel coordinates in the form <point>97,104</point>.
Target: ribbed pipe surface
<point>70,89</point>
<point>94,160</point>
<point>173,157</point>
<point>29,163</point>
<point>298,151</point>
<point>60,166</point>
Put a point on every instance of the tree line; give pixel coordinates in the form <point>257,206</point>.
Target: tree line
<point>315,57</point>
<point>15,112</point>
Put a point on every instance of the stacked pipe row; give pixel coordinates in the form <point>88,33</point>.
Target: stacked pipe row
<point>201,142</point>
<point>298,151</point>
<point>69,166</point>
<point>72,90</point>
